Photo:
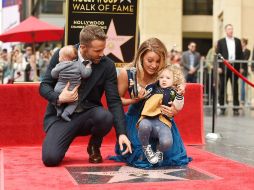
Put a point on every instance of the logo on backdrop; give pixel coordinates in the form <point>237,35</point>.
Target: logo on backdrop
<point>118,18</point>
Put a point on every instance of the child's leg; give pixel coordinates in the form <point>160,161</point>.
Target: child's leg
<point>145,128</point>
<point>163,133</point>
<point>59,110</point>
<point>69,109</point>
<point>165,138</point>
<point>144,131</point>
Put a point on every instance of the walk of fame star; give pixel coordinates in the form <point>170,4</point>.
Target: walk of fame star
<point>126,174</point>
<point>114,42</point>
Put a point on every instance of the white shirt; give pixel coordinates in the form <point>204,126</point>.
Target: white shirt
<point>81,59</point>
<point>191,56</point>
<point>231,48</point>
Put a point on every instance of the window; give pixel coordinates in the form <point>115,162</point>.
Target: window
<point>52,6</point>
<point>197,7</point>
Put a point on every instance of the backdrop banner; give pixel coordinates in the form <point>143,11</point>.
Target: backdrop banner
<point>118,18</point>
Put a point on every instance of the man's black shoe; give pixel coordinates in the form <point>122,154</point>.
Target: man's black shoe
<point>94,154</point>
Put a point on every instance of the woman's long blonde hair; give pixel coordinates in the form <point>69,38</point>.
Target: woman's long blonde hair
<point>153,45</point>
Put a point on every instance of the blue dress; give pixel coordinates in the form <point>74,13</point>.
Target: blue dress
<point>175,156</point>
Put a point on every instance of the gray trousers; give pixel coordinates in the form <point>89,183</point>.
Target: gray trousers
<point>153,127</point>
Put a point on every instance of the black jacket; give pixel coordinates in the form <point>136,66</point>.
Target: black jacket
<point>103,79</point>
<point>223,50</point>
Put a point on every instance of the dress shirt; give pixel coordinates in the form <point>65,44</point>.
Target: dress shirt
<point>191,56</point>
<point>231,48</point>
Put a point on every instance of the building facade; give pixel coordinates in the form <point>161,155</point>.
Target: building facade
<point>174,22</point>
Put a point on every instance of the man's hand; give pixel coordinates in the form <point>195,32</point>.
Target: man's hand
<point>67,96</point>
<point>192,71</point>
<point>124,140</point>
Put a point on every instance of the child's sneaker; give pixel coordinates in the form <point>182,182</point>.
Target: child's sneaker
<point>150,155</point>
<point>159,155</point>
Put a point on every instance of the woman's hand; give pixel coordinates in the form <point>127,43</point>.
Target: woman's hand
<point>169,111</point>
<point>141,93</point>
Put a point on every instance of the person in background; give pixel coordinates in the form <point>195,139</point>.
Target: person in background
<point>175,57</point>
<point>18,65</point>
<point>44,62</point>
<point>231,49</point>
<point>244,67</point>
<point>190,63</point>
<point>7,67</point>
<point>29,60</point>
<point>252,64</point>
<point>209,59</point>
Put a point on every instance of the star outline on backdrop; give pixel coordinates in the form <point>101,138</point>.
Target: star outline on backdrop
<point>126,0</point>
<point>126,173</point>
<point>114,42</point>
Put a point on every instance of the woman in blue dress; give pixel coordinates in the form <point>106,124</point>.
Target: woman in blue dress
<point>151,57</point>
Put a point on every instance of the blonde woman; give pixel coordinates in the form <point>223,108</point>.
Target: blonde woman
<point>149,61</point>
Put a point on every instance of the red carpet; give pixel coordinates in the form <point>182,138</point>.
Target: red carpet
<point>23,169</point>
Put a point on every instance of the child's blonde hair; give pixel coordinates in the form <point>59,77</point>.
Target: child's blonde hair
<point>178,76</point>
<point>69,52</point>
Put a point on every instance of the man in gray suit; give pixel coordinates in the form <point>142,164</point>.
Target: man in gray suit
<point>190,63</point>
<point>89,118</point>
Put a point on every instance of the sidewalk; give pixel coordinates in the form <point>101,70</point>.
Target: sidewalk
<point>237,142</point>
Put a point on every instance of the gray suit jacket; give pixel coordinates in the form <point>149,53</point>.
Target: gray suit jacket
<point>186,61</point>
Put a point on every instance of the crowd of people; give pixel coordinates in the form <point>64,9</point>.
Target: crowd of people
<point>232,49</point>
<point>23,65</point>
